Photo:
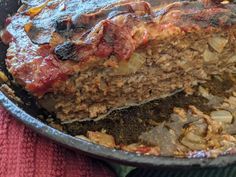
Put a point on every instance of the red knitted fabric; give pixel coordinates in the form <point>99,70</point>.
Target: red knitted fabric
<point>23,153</point>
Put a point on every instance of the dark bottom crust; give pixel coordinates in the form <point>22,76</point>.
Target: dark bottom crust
<point>155,71</point>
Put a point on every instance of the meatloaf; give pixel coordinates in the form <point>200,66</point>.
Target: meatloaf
<point>82,59</point>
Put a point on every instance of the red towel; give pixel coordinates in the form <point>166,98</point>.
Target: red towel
<point>24,153</point>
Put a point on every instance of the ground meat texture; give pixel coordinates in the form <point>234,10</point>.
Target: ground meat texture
<point>165,68</point>
<point>109,61</point>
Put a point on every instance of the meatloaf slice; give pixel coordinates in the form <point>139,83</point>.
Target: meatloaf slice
<point>83,59</point>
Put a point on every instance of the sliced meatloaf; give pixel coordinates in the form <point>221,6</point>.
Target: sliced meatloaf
<point>83,59</point>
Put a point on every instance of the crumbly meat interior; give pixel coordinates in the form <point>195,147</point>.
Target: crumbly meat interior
<point>155,70</point>
<point>82,61</point>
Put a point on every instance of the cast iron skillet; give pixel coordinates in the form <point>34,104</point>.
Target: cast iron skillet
<point>26,114</point>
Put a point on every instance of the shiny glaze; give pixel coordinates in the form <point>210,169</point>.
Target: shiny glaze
<point>98,29</point>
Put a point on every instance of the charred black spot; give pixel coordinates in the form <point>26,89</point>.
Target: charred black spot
<point>64,24</point>
<point>61,26</point>
<point>214,21</point>
<point>81,27</point>
<point>66,51</point>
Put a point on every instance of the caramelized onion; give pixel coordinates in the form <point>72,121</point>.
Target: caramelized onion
<point>3,77</point>
<point>33,11</point>
<point>210,57</point>
<point>101,138</point>
<point>232,59</point>
<point>27,27</point>
<point>222,116</point>
<point>218,43</point>
<point>194,138</point>
<point>192,145</point>
<point>132,66</point>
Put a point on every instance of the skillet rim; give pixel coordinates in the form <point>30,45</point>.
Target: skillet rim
<point>101,152</point>
<point>95,150</point>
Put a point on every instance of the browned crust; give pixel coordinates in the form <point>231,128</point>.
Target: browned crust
<point>35,64</point>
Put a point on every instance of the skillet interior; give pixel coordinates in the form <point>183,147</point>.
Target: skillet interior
<point>28,115</point>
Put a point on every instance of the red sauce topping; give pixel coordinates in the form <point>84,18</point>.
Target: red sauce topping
<point>94,30</point>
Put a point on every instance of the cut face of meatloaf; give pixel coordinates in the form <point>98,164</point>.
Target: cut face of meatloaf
<point>83,59</point>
